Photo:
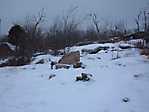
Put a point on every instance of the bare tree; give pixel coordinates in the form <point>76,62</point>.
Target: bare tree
<point>32,23</point>
<point>120,28</point>
<point>145,20</point>
<point>0,26</point>
<point>39,19</point>
<point>64,31</point>
<point>68,21</point>
<point>95,21</point>
<point>137,21</point>
<point>142,20</point>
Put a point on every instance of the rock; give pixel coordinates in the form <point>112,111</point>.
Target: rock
<point>51,76</point>
<point>52,64</point>
<point>88,51</point>
<point>77,65</point>
<point>126,99</point>
<point>40,61</point>
<point>106,51</point>
<point>99,58</point>
<point>94,51</point>
<point>125,46</point>
<point>84,77</point>
<point>70,58</point>
<point>83,67</point>
<point>79,78</point>
<point>59,66</point>
<point>137,75</point>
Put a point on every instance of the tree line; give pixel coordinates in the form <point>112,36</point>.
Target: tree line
<point>29,37</point>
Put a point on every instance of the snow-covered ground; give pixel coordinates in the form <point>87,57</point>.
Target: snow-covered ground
<point>28,88</point>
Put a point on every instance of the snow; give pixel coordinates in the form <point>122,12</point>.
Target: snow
<point>12,47</point>
<point>46,58</point>
<point>28,89</point>
<point>90,46</point>
<point>135,41</point>
<point>3,60</point>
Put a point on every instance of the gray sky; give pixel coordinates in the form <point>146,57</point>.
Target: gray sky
<point>12,11</point>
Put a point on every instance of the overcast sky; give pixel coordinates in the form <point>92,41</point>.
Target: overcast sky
<point>12,11</point>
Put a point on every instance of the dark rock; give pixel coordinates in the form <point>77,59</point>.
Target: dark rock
<point>40,61</point>
<point>106,51</point>
<point>52,64</point>
<point>79,78</point>
<point>136,75</point>
<point>83,67</point>
<point>84,77</point>
<point>51,76</point>
<point>59,66</point>
<point>126,99</point>
<point>98,57</point>
<point>77,65</point>
<point>87,51</point>
<point>125,46</point>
